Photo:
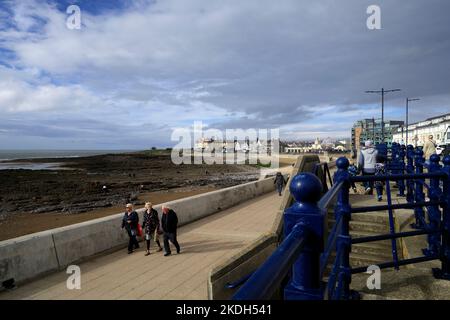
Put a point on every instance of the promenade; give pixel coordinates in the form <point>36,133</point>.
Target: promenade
<point>184,276</point>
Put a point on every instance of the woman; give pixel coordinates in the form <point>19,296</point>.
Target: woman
<point>150,225</point>
<point>130,222</point>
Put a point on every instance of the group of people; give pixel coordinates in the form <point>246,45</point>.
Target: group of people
<point>372,163</point>
<point>152,228</point>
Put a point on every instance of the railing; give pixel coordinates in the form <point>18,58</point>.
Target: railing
<point>305,255</point>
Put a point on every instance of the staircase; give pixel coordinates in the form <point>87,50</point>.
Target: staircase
<point>368,224</point>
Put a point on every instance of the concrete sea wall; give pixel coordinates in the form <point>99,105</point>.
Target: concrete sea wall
<point>28,257</point>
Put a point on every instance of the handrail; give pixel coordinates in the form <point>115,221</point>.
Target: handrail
<point>394,177</point>
<point>237,283</point>
<point>328,197</point>
<point>266,279</point>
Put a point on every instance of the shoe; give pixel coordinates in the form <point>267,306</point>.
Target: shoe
<point>160,249</point>
<point>368,190</point>
<point>167,254</point>
<point>178,251</point>
<point>380,198</point>
<point>148,252</point>
<point>130,252</point>
<point>355,190</point>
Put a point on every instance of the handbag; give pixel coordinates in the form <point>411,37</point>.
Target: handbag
<point>139,230</point>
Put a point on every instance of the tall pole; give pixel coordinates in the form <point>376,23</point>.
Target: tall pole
<point>383,92</point>
<point>408,100</point>
<point>382,115</point>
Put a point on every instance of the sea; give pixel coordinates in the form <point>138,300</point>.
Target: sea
<point>8,158</point>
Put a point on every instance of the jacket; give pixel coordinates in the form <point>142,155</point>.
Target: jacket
<point>151,221</point>
<point>279,180</point>
<point>169,222</point>
<point>134,217</point>
<point>429,148</point>
<point>367,159</point>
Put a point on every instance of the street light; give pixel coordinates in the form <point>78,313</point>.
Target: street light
<point>408,100</point>
<point>382,91</point>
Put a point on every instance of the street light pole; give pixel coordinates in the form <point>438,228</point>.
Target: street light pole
<point>408,100</point>
<point>383,92</point>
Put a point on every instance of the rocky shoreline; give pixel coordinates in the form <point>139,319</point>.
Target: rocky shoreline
<point>126,177</point>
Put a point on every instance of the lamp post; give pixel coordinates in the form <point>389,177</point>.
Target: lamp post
<point>382,91</point>
<point>408,100</point>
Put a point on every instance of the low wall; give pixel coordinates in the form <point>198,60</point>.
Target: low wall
<point>252,256</point>
<point>31,256</point>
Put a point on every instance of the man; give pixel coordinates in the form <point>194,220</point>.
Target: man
<point>367,161</point>
<point>429,148</point>
<point>169,224</point>
<point>280,182</point>
<point>130,222</point>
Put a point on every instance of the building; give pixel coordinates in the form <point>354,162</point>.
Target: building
<point>418,132</point>
<point>370,129</point>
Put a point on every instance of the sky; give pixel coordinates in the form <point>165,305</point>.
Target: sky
<point>137,70</point>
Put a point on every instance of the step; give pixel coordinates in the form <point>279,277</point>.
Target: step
<point>359,234</point>
<point>370,249</point>
<point>376,228</point>
<point>371,217</point>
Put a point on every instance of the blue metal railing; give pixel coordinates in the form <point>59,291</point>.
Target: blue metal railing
<point>318,266</point>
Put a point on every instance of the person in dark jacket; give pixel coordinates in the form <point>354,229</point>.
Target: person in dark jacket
<point>150,225</point>
<point>130,222</point>
<point>280,182</point>
<point>169,224</point>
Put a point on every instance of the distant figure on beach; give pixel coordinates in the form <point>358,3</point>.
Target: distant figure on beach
<point>130,222</point>
<point>104,189</point>
<point>279,182</point>
<point>150,226</point>
<point>429,148</point>
<point>367,160</point>
<point>169,225</point>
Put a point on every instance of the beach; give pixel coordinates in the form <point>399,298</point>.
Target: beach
<point>72,192</point>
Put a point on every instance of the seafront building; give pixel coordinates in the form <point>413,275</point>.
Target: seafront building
<point>418,132</point>
<point>370,129</point>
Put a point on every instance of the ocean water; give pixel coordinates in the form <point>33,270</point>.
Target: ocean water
<point>7,157</point>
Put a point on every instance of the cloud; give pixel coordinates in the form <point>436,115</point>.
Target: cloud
<point>297,65</point>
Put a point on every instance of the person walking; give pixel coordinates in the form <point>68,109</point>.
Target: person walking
<point>429,148</point>
<point>379,170</point>
<point>279,182</point>
<point>150,226</point>
<point>130,222</point>
<point>367,161</point>
<point>169,225</point>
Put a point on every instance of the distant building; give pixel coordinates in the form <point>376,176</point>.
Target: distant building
<point>370,129</point>
<point>418,132</point>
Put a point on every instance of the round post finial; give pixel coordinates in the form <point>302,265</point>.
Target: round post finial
<point>342,163</point>
<point>306,188</point>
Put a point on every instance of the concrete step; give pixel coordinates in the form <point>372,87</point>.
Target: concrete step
<point>371,217</point>
<point>361,260</point>
<point>376,228</point>
<point>373,249</point>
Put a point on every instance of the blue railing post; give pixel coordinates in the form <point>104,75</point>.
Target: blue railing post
<point>419,196</point>
<point>343,209</point>
<point>410,170</point>
<point>305,283</point>
<point>401,170</point>
<point>434,214</point>
<point>444,272</point>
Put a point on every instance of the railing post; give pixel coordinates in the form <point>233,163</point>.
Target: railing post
<point>434,214</point>
<point>419,196</point>
<point>410,170</point>
<point>401,170</point>
<point>305,283</point>
<point>343,209</point>
<point>444,272</point>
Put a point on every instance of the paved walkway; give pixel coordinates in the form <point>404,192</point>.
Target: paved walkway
<point>184,276</point>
